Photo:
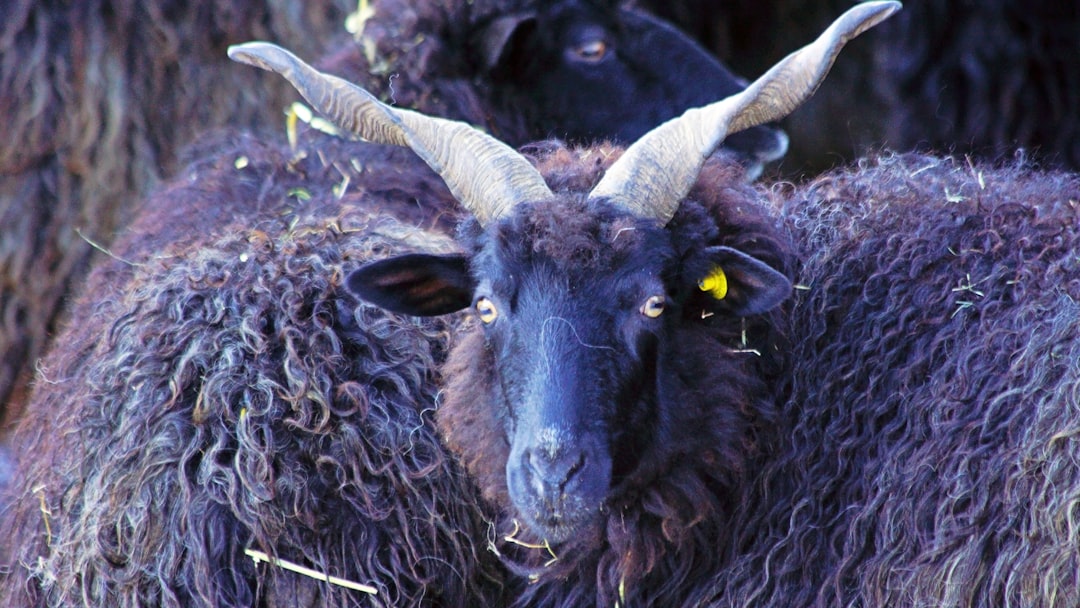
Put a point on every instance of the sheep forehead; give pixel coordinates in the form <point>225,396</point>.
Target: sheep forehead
<point>579,235</point>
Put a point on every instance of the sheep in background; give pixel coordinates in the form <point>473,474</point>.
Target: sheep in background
<point>217,394</point>
<point>95,93</point>
<point>583,71</point>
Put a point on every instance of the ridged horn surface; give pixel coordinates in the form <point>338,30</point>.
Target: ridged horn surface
<point>485,175</point>
<point>656,172</point>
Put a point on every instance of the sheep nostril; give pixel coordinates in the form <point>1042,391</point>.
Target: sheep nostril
<point>575,468</point>
<point>554,472</point>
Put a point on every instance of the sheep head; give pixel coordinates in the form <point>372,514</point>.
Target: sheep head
<point>581,296</point>
<point>579,304</point>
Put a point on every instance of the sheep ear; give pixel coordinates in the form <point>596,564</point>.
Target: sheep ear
<point>735,282</point>
<point>415,284</point>
<point>495,37</point>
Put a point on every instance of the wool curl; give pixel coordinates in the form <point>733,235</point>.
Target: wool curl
<point>217,392</point>
<point>930,454</point>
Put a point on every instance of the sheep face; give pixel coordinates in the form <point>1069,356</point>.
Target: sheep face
<point>577,302</point>
<point>572,327</point>
<point>585,71</point>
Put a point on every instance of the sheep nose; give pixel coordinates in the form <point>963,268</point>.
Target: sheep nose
<point>553,472</point>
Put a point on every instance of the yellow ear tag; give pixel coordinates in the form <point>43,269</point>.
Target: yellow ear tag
<point>715,283</point>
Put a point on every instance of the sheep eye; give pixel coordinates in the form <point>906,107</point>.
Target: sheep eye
<point>653,307</point>
<point>486,310</point>
<point>592,51</point>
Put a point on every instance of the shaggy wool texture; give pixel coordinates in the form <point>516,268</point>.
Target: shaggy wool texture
<point>930,452</point>
<point>215,393</point>
<point>102,96</point>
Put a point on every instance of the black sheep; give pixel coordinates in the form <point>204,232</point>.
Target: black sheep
<point>219,394</point>
<point>608,399</point>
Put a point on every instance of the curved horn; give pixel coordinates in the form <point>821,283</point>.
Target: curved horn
<point>485,175</point>
<point>656,172</point>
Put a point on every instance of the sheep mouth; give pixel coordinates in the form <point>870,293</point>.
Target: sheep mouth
<point>556,525</point>
<point>557,518</point>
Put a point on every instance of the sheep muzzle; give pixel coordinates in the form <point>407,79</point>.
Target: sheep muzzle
<point>558,480</point>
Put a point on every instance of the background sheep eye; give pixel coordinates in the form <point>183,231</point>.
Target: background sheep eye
<point>591,51</point>
<point>653,307</point>
<point>486,310</point>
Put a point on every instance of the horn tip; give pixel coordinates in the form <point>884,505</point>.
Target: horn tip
<point>265,55</point>
<point>858,19</point>
<point>872,13</point>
